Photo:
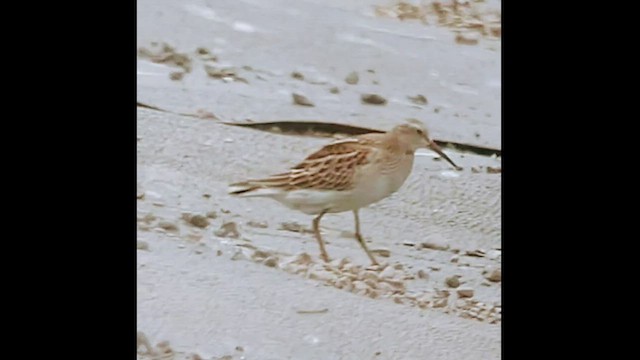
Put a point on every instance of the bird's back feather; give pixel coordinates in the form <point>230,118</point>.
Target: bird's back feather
<point>333,167</point>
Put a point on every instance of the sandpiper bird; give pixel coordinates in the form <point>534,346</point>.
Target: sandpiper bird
<point>345,175</point>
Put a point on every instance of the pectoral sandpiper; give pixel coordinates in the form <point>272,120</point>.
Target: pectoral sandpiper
<point>345,175</point>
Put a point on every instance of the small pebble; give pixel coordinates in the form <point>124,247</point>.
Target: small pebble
<point>388,273</point>
<point>176,75</point>
<point>271,261</point>
<point>466,315</point>
<point>423,274</point>
<point>199,221</point>
<point>373,99</point>
<point>434,246</point>
<point>378,267</point>
<point>469,38</point>
<point>465,292</point>
<point>462,304</point>
<point>397,284</point>
<point>496,31</point>
<point>202,51</point>
<point>343,283</point>
<point>372,284</point>
<point>418,99</point>
<point>368,274</point>
<point>168,226</point>
<point>372,293</point>
<point>260,254</point>
<point>385,287</point>
<point>452,281</point>
<point>301,100</point>
<point>143,341</point>
<point>339,263</point>
<point>228,229</point>
<point>321,275</point>
<point>352,78</point>
<point>494,275</point>
<point>295,227</point>
<point>257,224</point>
<point>360,285</point>
<point>475,253</point>
<point>439,303</point>
<point>142,245</point>
<point>382,252</point>
<point>303,258</point>
<point>164,348</point>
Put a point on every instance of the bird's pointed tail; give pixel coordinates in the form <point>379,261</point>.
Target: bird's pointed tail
<point>266,187</point>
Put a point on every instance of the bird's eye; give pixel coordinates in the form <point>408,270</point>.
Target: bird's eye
<point>420,132</point>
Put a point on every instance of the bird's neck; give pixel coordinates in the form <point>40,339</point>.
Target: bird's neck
<point>393,144</point>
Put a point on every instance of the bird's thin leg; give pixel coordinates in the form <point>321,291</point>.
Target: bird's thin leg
<point>361,240</point>
<point>316,231</point>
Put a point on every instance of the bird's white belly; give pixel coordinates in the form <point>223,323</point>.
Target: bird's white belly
<point>376,190</point>
<point>313,202</point>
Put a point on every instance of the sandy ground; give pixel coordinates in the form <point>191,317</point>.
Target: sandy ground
<point>227,278</point>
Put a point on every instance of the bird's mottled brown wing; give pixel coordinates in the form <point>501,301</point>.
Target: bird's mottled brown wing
<point>331,168</point>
